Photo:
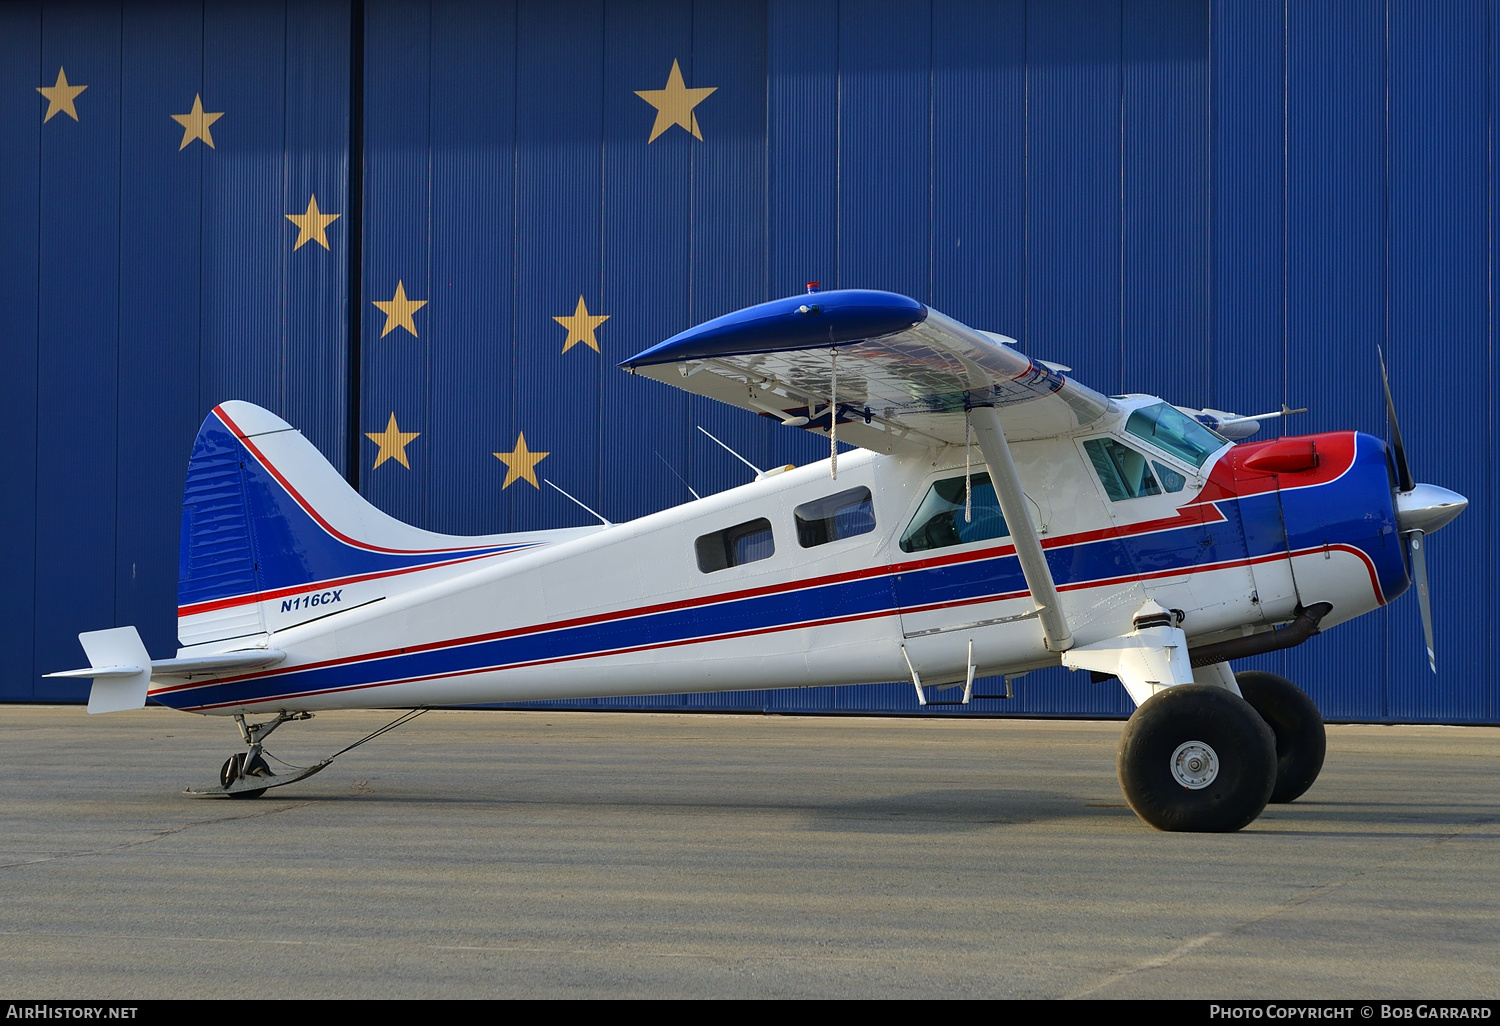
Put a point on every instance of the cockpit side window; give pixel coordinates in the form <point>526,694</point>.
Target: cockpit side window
<point>1169,478</point>
<point>1173,431</point>
<point>1121,469</point>
<point>837,516</point>
<point>940,519</point>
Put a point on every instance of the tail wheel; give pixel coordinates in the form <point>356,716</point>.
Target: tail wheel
<point>1197,758</point>
<point>234,769</point>
<point>1301,742</point>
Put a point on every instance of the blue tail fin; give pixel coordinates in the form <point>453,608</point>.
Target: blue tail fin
<point>272,536</point>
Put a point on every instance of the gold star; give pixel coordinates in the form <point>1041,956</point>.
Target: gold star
<point>581,327</point>
<point>520,464</point>
<point>674,104</point>
<point>195,123</point>
<point>312,224</point>
<point>392,442</point>
<point>398,310</point>
<point>60,97</point>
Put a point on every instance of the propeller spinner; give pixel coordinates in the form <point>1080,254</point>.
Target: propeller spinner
<point>1420,510</point>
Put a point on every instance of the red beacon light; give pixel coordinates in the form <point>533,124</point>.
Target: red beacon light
<point>813,286</point>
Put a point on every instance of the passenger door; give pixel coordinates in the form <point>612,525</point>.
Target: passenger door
<point>957,579</point>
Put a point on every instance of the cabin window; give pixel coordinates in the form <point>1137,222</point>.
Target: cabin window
<point>1169,478</point>
<point>1122,470</point>
<point>940,519</point>
<point>733,546</point>
<point>838,516</point>
<point>1173,431</point>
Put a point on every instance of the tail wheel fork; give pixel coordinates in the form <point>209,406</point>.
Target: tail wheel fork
<point>242,771</point>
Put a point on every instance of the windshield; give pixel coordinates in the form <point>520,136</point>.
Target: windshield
<point>1173,431</point>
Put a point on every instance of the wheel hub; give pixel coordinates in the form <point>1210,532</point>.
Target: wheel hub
<point>1195,765</point>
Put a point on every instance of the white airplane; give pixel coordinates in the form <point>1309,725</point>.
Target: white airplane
<point>998,517</point>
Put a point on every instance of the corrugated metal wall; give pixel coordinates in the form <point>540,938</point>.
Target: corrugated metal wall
<point>1227,204</point>
<point>146,277</point>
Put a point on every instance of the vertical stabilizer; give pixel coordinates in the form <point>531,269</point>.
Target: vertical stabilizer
<point>273,537</point>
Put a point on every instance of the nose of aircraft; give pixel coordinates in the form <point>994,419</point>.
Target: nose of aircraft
<point>1427,507</point>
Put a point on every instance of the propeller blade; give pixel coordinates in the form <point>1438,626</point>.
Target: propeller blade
<point>1419,571</point>
<point>1403,469</point>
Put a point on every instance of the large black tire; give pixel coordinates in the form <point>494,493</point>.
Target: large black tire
<point>1197,757</point>
<point>1301,742</point>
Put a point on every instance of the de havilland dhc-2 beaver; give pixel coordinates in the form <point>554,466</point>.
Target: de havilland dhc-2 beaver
<point>998,517</point>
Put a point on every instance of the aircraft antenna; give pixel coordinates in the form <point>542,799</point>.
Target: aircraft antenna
<point>677,475</point>
<point>731,452</point>
<point>591,512</point>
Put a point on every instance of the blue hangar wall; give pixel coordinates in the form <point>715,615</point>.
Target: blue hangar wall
<point>1226,203</point>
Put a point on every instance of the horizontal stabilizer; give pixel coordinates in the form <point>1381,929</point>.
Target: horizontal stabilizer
<point>120,666</point>
<point>95,672</point>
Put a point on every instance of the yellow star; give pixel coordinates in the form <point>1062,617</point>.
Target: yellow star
<point>312,224</point>
<point>60,97</point>
<point>392,442</point>
<point>398,310</point>
<point>674,104</point>
<point>520,464</point>
<point>195,123</point>
<point>581,327</point>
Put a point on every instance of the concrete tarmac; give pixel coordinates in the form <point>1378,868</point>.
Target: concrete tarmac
<point>572,854</point>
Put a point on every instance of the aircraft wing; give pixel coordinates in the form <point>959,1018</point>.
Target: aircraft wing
<point>899,372</point>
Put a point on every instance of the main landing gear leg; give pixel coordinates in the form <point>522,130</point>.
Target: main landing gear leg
<point>1194,757</point>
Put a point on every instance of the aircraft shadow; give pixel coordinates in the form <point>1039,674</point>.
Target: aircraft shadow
<point>948,811</point>
<point>1303,815</point>
<point>913,812</point>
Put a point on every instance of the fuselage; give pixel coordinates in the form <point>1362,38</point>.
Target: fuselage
<point>798,579</point>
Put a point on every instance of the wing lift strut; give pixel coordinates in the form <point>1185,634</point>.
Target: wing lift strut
<point>990,437</point>
<point>1148,659</point>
